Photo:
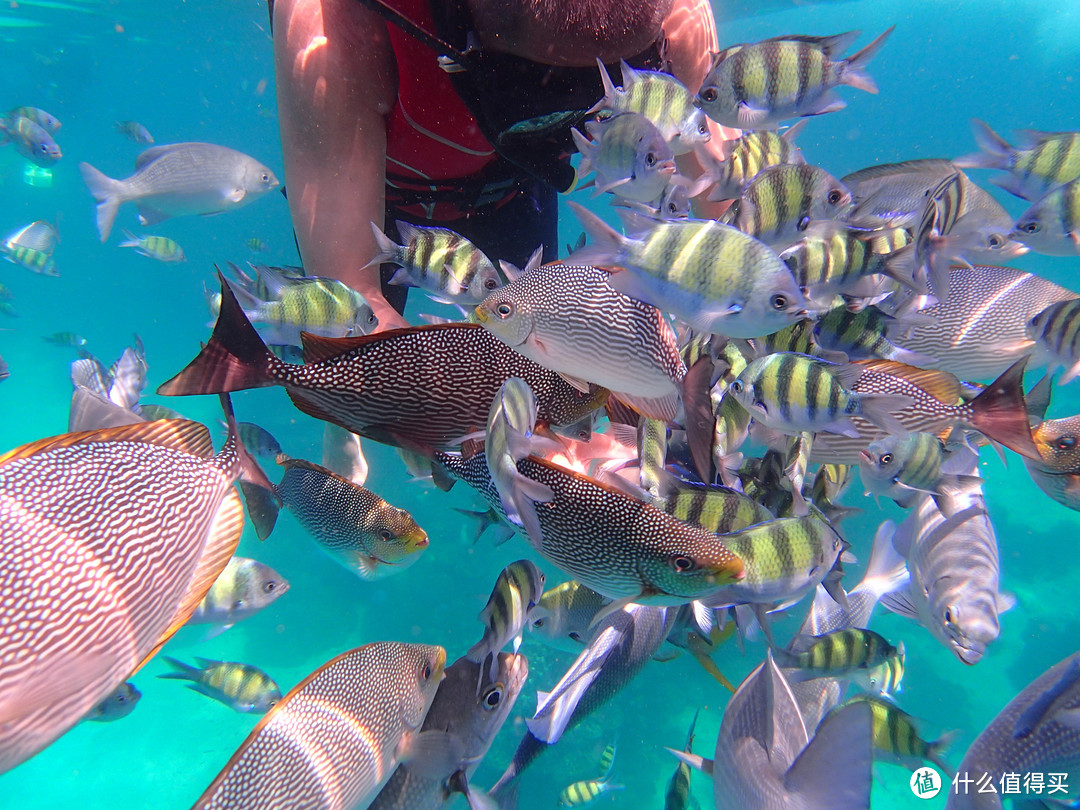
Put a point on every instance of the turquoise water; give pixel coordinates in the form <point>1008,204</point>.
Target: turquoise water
<point>193,71</point>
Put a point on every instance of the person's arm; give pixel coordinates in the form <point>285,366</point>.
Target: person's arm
<point>336,82</point>
<point>691,33</point>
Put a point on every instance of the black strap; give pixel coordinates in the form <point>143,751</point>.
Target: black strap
<point>440,46</point>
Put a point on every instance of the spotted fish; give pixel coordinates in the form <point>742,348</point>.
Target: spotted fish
<point>1057,472</point>
<point>442,382</point>
<point>569,319</point>
<point>85,522</point>
<point>470,719</point>
<point>334,740</point>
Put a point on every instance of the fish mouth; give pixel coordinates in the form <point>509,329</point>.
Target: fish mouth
<point>866,456</point>
<point>666,167</point>
<point>969,655</point>
<point>417,540</point>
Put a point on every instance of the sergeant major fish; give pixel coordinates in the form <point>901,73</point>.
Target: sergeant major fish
<point>179,179</point>
<point>1041,162</point>
<point>629,155</point>
<point>724,281</point>
<point>160,248</point>
<point>1052,224</point>
<point>31,140</point>
<point>32,247</point>
<point>244,588</point>
<point>757,86</point>
<point>517,591</point>
<point>901,466</point>
<point>748,155</point>
<point>119,704</point>
<point>241,687</point>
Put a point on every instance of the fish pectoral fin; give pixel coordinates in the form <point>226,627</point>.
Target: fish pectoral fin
<point>554,714</point>
<point>431,754</point>
<point>401,278</point>
<point>842,427</point>
<point>631,285</point>
<point>695,761</point>
<point>664,408</point>
<point>614,607</point>
<point>751,117</point>
<point>236,195</point>
<point>899,602</point>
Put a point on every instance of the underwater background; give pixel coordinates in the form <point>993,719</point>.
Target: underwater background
<point>202,70</point>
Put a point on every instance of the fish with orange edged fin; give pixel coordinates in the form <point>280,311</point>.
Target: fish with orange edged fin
<point>124,527</point>
<point>1057,473</point>
<point>420,388</point>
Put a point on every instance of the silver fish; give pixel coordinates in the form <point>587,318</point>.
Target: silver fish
<point>179,179</point>
<point>766,760</point>
<point>470,719</point>
<point>629,154</point>
<point>1052,224</point>
<point>1038,731</point>
<point>119,704</point>
<point>569,319</point>
<point>244,588</point>
<point>954,565</point>
<point>358,715</point>
<point>31,140</point>
<point>563,618</point>
<point>134,131</point>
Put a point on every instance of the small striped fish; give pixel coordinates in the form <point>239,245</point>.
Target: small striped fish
<point>759,85</point>
<point>419,387</point>
<point>1052,225</point>
<point>713,276</point>
<point>43,119</point>
<point>899,467</point>
<point>662,99</point>
<point>835,654</point>
<point>354,716</point>
<point>357,528</point>
<point>85,519</point>
<point>586,791</point>
<point>31,248</point>
<point>438,261</point>
<point>1057,473</point>
<point>244,588</point>
<point>563,618</point>
<point>784,559</point>
<point>517,591</point>
<point>897,740</point>
<point>1055,333</point>
<point>677,796</point>
<point>747,156</point>
<point>779,203</point>
<point>1041,162</point>
<point>629,154</point>
<point>470,719</point>
<point>569,319</point>
<point>793,393</point>
<point>865,335</point>
<point>241,687</point>
<point>160,248</point>
<point>832,258</point>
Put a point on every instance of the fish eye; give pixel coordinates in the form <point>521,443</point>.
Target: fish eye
<point>239,603</point>
<point>835,196</point>
<point>504,310</point>
<point>886,458</point>
<point>708,95</point>
<point>538,623</point>
<point>736,387</point>
<point>269,586</point>
<point>779,302</point>
<point>1031,227</point>
<point>650,159</point>
<point>996,240</point>
<point>703,128</point>
<point>1065,443</point>
<point>682,564</point>
<point>951,615</point>
<point>426,672</point>
<point>386,535</point>
<point>490,284</point>
<point>494,696</point>
<point>575,636</point>
<point>672,208</point>
<point>265,178</point>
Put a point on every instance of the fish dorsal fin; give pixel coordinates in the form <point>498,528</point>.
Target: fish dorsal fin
<point>941,385</point>
<point>176,434</point>
<point>39,235</point>
<point>154,152</point>
<point>221,543</point>
<point>318,349</point>
<point>311,466</point>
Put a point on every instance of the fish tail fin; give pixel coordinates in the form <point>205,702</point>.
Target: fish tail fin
<point>388,248</point>
<point>608,242</point>
<point>1000,412</point>
<point>107,192</point>
<point>184,672</point>
<point>834,770</point>
<point>235,359</point>
<point>886,570</point>
<point>855,74</point>
<point>995,149</point>
<point>937,748</point>
<point>131,240</point>
<point>481,522</point>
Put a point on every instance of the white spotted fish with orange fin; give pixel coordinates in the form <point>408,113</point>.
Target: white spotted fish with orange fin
<point>124,527</point>
<point>335,739</point>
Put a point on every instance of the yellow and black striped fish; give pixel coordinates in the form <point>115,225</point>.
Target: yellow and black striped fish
<point>1039,163</point>
<point>517,591</point>
<point>747,156</point>
<point>863,335</point>
<point>160,248</point>
<point>677,796</point>
<point>780,202</point>
<point>1055,333</point>
<point>835,654</point>
<point>832,258</point>
<point>585,792</point>
<point>32,247</point>
<point>241,687</point>
<point>1052,225</point>
<point>757,86</point>
<point>896,736</point>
